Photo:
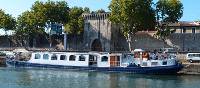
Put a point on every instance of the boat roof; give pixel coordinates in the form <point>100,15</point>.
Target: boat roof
<point>94,53</point>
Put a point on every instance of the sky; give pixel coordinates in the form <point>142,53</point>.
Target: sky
<point>16,7</point>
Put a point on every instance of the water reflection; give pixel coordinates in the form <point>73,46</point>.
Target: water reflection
<point>52,78</point>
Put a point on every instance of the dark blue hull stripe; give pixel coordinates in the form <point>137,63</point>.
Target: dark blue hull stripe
<point>140,70</point>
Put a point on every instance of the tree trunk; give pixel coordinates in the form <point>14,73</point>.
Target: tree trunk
<point>129,42</point>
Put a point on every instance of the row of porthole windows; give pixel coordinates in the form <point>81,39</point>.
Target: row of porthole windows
<point>62,57</point>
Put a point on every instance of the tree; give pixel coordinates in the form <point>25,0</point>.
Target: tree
<point>75,25</point>
<point>100,11</point>
<point>30,26</point>
<point>168,11</point>
<point>76,22</point>
<point>86,10</point>
<point>7,22</point>
<point>132,16</point>
<point>52,11</point>
<point>41,16</point>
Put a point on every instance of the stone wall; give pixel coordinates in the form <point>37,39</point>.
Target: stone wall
<point>191,69</point>
<point>3,42</point>
<point>146,41</point>
<point>181,42</point>
<point>186,42</point>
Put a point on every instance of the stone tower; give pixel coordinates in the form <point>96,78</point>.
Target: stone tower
<point>101,35</point>
<point>97,32</point>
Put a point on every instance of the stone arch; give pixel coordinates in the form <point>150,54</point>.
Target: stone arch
<point>96,45</point>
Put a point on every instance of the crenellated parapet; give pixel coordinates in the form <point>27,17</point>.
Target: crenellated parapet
<point>95,16</point>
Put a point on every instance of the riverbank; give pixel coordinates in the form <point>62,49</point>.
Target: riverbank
<point>190,69</point>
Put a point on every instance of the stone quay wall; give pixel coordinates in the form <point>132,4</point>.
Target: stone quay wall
<point>190,69</point>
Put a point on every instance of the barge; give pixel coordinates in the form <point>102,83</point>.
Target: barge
<point>138,61</point>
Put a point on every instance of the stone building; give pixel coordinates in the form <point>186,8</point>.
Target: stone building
<point>186,27</point>
<point>100,34</point>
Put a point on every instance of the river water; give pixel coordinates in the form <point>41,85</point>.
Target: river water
<point>57,78</point>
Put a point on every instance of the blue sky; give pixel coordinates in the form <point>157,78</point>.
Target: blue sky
<point>16,7</point>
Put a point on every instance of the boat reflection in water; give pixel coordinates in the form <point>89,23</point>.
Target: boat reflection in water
<point>54,78</point>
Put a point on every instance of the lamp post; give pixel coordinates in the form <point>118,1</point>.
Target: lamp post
<point>65,41</point>
<point>49,31</point>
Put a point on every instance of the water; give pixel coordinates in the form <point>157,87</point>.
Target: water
<point>52,78</point>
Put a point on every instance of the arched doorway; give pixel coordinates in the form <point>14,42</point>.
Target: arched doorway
<point>96,45</point>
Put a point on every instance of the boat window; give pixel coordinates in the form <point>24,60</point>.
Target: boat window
<point>91,58</point>
<point>190,55</point>
<point>136,55</point>
<point>197,55</point>
<point>63,57</point>
<point>164,63</point>
<point>104,59</point>
<point>54,57</point>
<point>72,58</point>
<point>45,56</point>
<point>154,63</point>
<point>144,64</point>
<point>37,56</point>
<point>81,58</point>
<point>193,55</point>
<point>118,58</point>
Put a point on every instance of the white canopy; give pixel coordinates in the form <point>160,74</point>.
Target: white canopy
<point>138,50</point>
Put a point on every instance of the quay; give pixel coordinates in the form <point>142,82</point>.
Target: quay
<point>190,69</point>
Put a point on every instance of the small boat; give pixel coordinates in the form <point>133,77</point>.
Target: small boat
<point>136,62</point>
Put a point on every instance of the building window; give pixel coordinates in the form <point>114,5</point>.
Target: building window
<point>193,30</point>
<point>104,59</point>
<point>45,56</point>
<point>54,57</point>
<point>63,57</point>
<point>37,56</point>
<point>81,58</point>
<point>72,58</point>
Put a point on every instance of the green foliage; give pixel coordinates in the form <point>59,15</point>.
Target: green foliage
<point>100,11</point>
<point>86,10</point>
<point>51,12</point>
<point>32,24</point>
<point>41,16</point>
<point>132,15</point>
<point>29,24</point>
<point>168,11</point>
<point>164,33</point>
<point>76,22</point>
<point>7,22</point>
